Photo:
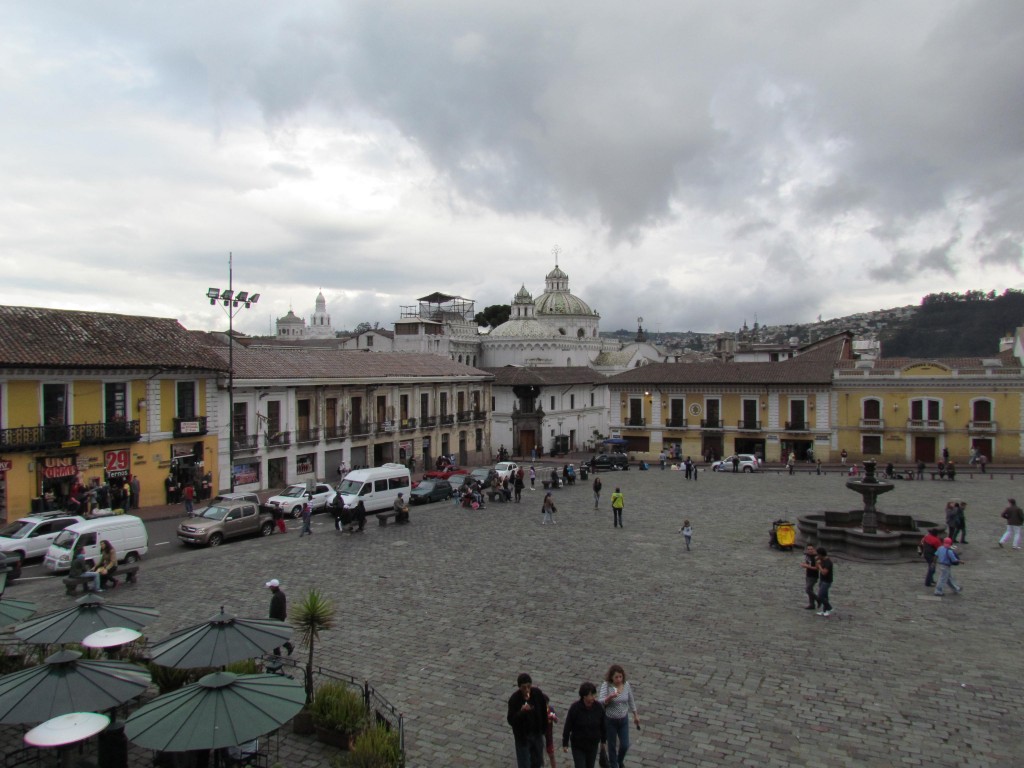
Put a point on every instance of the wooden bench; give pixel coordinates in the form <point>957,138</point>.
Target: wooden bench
<point>383,517</point>
<point>547,484</point>
<point>71,583</point>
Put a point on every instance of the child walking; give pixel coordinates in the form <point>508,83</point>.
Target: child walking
<point>687,532</point>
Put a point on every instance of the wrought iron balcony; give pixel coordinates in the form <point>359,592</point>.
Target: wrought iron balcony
<point>56,435</point>
<point>188,427</point>
<point>447,419</point>
<point>310,435</point>
<point>711,424</point>
<point>246,442</point>
<point>279,439</point>
<point>749,425</point>
<point>336,432</point>
<point>798,426</point>
<point>678,423</point>
<point>479,415</point>
<point>429,422</point>
<point>361,428</point>
<point>465,415</point>
<point>636,422</point>
<point>407,425</point>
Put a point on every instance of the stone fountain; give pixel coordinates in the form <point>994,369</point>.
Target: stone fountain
<point>867,533</point>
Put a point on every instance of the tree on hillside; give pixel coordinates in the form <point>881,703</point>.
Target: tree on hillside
<point>494,315</point>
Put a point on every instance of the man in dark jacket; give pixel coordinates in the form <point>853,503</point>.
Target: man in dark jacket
<point>279,610</point>
<point>528,716</point>
<point>1014,517</point>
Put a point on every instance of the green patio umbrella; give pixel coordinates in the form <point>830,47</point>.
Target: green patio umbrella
<point>15,610</point>
<point>221,710</point>
<point>65,682</point>
<point>222,640</point>
<point>89,614</point>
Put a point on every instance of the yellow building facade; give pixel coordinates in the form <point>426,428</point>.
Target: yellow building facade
<point>90,396</point>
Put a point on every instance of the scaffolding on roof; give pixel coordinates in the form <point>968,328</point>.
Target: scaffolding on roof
<point>441,308</point>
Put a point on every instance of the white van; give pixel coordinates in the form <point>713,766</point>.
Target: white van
<point>377,487</point>
<point>126,534</point>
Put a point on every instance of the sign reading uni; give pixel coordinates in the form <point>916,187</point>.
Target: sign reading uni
<point>55,467</point>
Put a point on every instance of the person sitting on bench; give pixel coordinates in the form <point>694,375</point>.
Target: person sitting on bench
<point>80,569</point>
<point>108,564</point>
<point>401,511</point>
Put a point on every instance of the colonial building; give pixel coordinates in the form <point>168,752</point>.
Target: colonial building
<point>770,409</point>
<point>87,395</point>
<point>300,412</point>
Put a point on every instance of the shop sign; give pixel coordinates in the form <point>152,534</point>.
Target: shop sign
<point>405,446</point>
<point>304,464</point>
<point>188,428</point>
<point>117,463</point>
<point>55,467</point>
<point>6,465</point>
<point>182,450</point>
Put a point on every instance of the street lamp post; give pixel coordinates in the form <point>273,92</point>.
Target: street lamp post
<point>233,304</point>
<point>560,420</point>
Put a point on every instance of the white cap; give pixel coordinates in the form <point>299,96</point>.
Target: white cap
<point>273,583</point>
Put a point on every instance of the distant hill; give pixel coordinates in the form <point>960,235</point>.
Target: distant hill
<point>955,324</point>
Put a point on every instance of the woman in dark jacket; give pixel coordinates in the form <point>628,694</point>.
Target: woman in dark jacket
<point>584,728</point>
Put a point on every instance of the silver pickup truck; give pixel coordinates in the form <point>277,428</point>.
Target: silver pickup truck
<point>225,520</point>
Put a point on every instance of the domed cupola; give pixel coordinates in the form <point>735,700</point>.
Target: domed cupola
<point>557,300</point>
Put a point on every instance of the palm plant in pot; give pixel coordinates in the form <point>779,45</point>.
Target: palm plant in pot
<point>310,616</point>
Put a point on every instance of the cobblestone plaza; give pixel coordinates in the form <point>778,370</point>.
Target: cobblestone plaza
<point>728,667</point>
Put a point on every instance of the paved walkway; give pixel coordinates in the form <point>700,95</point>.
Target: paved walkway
<point>441,616</point>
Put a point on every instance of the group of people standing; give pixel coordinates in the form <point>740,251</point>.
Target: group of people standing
<point>819,572</point>
<point>597,722</point>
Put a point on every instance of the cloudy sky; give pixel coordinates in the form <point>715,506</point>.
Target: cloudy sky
<point>696,163</point>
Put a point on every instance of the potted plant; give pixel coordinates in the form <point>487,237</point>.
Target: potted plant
<point>310,616</point>
<point>376,747</point>
<point>339,713</point>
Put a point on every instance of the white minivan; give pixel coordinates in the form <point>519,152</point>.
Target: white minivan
<point>376,487</point>
<point>126,534</point>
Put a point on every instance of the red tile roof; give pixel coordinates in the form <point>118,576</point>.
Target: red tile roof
<point>37,337</point>
<point>519,376</point>
<point>261,363</point>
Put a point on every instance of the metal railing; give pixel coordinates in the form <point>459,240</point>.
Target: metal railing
<point>246,442</point>
<point>711,424</point>
<point>310,435</point>
<point>798,426</point>
<point>279,439</point>
<point>55,435</point>
<point>336,432</point>
<point>752,425</point>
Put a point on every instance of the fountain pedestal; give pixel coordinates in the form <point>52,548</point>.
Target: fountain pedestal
<point>870,488</point>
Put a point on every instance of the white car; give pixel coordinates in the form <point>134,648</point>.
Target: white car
<point>506,469</point>
<point>292,498</point>
<point>748,463</point>
<point>32,536</point>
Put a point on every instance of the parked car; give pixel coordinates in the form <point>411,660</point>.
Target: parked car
<point>127,534</point>
<point>748,463</point>
<point>445,474</point>
<point>292,498</point>
<point>482,475</point>
<point>434,489</point>
<point>227,520</point>
<point>506,469</point>
<point>608,461</point>
<point>224,498</point>
<point>32,536</point>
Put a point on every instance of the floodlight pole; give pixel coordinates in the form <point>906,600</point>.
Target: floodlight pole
<point>232,306</point>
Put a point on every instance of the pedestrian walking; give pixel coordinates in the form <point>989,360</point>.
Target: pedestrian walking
<point>279,519</point>
<point>929,546</point>
<point>548,509</point>
<point>825,576</point>
<point>518,484</point>
<point>947,559</point>
<point>661,459</point>
<point>810,566</point>
<point>188,493</point>
<point>688,467</point>
<point>1014,517</point>
<point>307,517</point>
<point>920,469</point>
<point>687,532</point>
<point>597,491</point>
<point>585,728</point>
<point>618,502</point>
<point>527,715</point>
<point>279,610</point>
<point>533,479</point>
<point>842,456</point>
<point>616,694</point>
<point>790,462</point>
<point>136,489</point>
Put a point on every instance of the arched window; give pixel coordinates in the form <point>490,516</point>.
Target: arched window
<point>872,409</point>
<point>580,333</point>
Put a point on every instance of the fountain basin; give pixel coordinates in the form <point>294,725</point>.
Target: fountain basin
<point>895,540</point>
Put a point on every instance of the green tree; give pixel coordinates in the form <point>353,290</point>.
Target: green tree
<point>494,315</point>
<point>313,615</point>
